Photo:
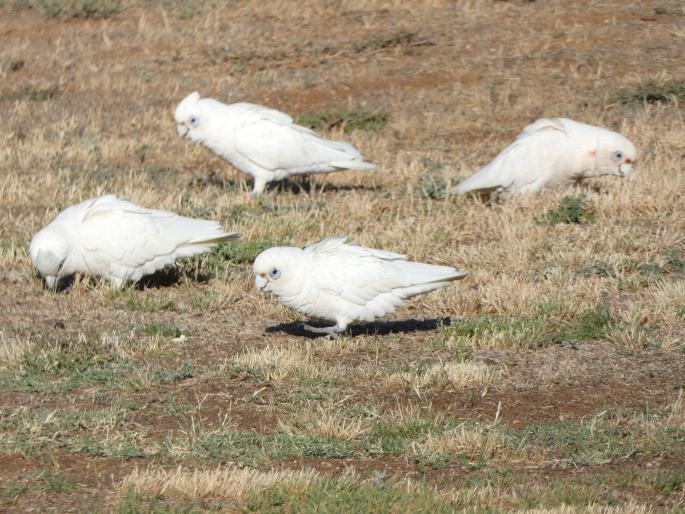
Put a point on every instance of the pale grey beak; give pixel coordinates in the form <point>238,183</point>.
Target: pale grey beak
<point>50,280</point>
<point>182,130</point>
<point>624,169</point>
<point>260,283</point>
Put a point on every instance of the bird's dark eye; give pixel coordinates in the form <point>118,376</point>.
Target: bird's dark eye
<point>275,274</point>
<point>194,121</point>
<point>617,156</point>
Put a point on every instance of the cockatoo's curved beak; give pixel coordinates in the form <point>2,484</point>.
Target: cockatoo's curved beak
<point>624,169</point>
<point>50,281</point>
<point>182,130</point>
<point>261,283</point>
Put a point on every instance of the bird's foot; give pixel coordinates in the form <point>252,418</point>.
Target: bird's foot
<point>330,332</point>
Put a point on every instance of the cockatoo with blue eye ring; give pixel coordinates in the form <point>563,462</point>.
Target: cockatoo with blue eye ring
<point>340,282</point>
<point>553,152</point>
<point>119,241</point>
<point>262,142</point>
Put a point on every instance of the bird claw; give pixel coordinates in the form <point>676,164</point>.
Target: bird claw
<point>330,332</point>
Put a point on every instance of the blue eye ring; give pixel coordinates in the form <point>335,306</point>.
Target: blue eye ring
<point>617,156</point>
<point>194,122</point>
<point>275,274</point>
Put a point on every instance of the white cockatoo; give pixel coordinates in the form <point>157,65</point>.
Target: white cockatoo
<point>340,282</point>
<point>262,142</point>
<point>119,241</point>
<point>553,152</point>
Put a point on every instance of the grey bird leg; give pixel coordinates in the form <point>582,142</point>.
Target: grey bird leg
<point>258,187</point>
<point>332,332</point>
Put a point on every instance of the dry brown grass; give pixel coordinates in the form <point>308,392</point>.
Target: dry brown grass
<point>459,374</point>
<point>220,483</point>
<point>87,110</point>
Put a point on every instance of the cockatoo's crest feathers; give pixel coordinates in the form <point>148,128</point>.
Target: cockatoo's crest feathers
<point>543,124</point>
<point>186,105</point>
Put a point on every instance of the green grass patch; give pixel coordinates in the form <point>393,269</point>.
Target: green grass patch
<point>99,432</point>
<point>168,376</point>
<point>149,300</point>
<point>161,329</point>
<point>560,492</point>
<point>668,481</point>
<point>572,209</point>
<point>407,40</point>
<point>65,9</point>
<point>346,495</point>
<point>240,251</point>
<point>588,324</point>
<point>431,187</point>
<point>671,262</point>
<point>394,436</point>
<point>543,326</point>
<point>31,93</point>
<point>67,365</point>
<point>49,481</point>
<point>606,437</point>
<point>652,92</point>
<point>344,118</point>
<point>132,503</point>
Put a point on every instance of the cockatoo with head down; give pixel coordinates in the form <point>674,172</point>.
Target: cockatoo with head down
<point>553,152</point>
<point>340,282</point>
<point>261,142</point>
<point>119,241</point>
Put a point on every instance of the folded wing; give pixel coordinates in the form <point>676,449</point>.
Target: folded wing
<point>523,162</point>
<point>369,282</point>
<point>271,140</point>
<point>121,239</point>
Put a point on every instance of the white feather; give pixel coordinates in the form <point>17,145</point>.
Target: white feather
<point>261,142</point>
<point>119,240</point>
<point>550,152</point>
<point>333,280</point>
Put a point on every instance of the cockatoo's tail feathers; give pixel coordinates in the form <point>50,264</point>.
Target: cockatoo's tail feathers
<point>354,165</point>
<point>226,236</point>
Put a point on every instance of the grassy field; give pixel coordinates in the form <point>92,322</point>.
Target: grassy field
<point>549,380</point>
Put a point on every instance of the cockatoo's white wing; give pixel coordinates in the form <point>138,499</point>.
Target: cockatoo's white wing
<point>523,163</point>
<point>121,240</point>
<point>271,140</point>
<point>364,283</point>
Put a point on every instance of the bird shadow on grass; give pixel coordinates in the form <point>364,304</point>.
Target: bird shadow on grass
<point>166,277</point>
<point>306,186</point>
<point>376,328</point>
<point>171,276</point>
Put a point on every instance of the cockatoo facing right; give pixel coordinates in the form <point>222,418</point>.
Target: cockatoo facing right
<point>553,152</point>
<point>335,281</point>
<point>261,142</point>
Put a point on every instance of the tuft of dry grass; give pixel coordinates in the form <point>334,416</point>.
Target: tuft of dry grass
<point>327,424</point>
<point>459,374</point>
<point>477,443</point>
<point>13,350</point>
<point>279,364</point>
<point>222,482</point>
